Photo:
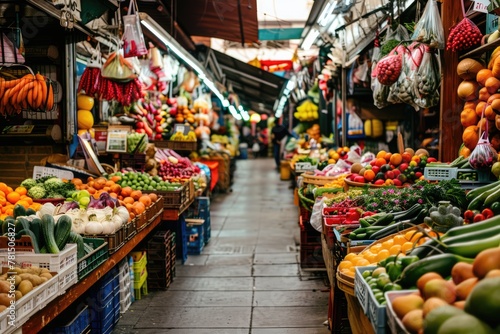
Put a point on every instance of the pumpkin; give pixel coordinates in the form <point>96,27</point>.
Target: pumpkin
<point>497,122</point>
<point>468,117</point>
<point>468,90</point>
<point>482,124</point>
<point>483,75</point>
<point>489,114</point>
<point>373,128</point>
<point>495,105</point>
<point>495,141</point>
<point>471,104</point>
<point>199,131</point>
<point>468,68</point>
<point>470,137</point>
<point>85,119</point>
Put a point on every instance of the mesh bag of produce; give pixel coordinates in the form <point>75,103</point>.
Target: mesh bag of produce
<point>484,155</point>
<point>403,91</point>
<point>389,68</point>
<point>463,36</point>
<point>429,29</point>
<point>428,80</point>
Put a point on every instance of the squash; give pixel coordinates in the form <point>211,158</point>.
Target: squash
<point>483,75</point>
<point>468,68</point>
<point>497,122</point>
<point>84,102</point>
<point>495,105</point>
<point>496,67</point>
<point>85,119</point>
<point>48,227</point>
<point>62,230</point>
<point>468,90</point>
<point>470,137</point>
<point>19,210</point>
<point>489,114</point>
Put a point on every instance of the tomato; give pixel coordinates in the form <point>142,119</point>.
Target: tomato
<point>469,215</point>
<point>479,217</point>
<point>487,213</point>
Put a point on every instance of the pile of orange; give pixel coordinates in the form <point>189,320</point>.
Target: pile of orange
<point>135,201</point>
<point>378,251</point>
<point>9,197</point>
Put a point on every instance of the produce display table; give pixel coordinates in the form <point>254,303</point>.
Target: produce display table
<point>54,308</point>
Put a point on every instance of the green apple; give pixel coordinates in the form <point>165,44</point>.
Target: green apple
<point>84,201</point>
<point>82,194</point>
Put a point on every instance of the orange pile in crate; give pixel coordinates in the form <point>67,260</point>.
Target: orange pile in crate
<point>380,250</point>
<point>9,197</point>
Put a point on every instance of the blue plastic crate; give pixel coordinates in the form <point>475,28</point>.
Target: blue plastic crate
<point>207,230</point>
<point>195,238</point>
<point>180,238</point>
<point>77,325</point>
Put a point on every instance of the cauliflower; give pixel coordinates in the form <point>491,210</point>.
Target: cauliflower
<point>28,183</point>
<point>37,192</point>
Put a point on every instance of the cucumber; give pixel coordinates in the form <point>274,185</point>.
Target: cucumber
<point>479,190</point>
<point>473,247</point>
<point>36,228</point>
<point>48,229</point>
<point>62,231</point>
<point>470,228</point>
<point>19,211</point>
<point>75,238</point>
<point>493,197</point>
<point>441,264</point>
<point>384,220</point>
<point>477,202</point>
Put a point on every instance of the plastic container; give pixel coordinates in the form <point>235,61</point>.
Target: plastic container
<point>394,323</point>
<point>77,325</point>
<point>195,236</point>
<point>92,260</point>
<point>361,289</point>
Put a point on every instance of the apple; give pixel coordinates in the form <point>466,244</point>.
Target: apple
<point>396,172</point>
<point>403,167</point>
<point>418,174</point>
<point>375,169</point>
<point>372,163</point>
<point>359,179</point>
<point>389,174</point>
<point>402,178</point>
<point>397,182</point>
<point>379,182</point>
<point>431,159</point>
<point>353,176</point>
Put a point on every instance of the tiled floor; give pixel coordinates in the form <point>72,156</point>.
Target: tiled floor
<point>247,279</point>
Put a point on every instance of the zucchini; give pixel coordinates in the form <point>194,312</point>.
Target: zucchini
<point>473,247</point>
<point>391,229</point>
<point>408,214</point>
<point>30,211</point>
<point>48,227</point>
<point>36,228</point>
<point>384,220</point>
<point>491,198</point>
<point>19,211</point>
<point>75,238</point>
<point>62,230</point>
<point>466,229</point>
<point>475,235</point>
<point>441,264</point>
<point>477,202</point>
<point>480,190</point>
<point>32,236</point>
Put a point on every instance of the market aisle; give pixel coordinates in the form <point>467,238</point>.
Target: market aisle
<point>247,279</point>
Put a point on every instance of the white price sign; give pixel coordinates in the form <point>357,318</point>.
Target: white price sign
<point>481,6</point>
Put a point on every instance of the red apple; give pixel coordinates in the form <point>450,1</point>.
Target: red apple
<point>397,183</point>
<point>372,163</point>
<point>403,167</point>
<point>418,174</point>
<point>396,172</point>
<point>389,174</point>
<point>379,181</point>
<point>431,159</point>
<point>359,179</point>
<point>353,176</point>
<point>375,169</point>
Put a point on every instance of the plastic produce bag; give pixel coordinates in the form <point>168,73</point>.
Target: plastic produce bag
<point>429,29</point>
<point>428,80</point>
<point>118,68</point>
<point>389,68</point>
<point>403,90</point>
<point>133,39</point>
<point>463,36</point>
<point>316,219</point>
<point>393,38</point>
<point>380,94</point>
<point>484,155</point>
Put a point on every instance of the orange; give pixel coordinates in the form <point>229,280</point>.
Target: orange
<point>138,208</point>
<point>116,188</point>
<point>369,175</point>
<point>109,183</point>
<point>21,190</point>
<point>4,188</point>
<point>116,178</point>
<point>136,194</point>
<point>395,249</point>
<point>362,263</point>
<point>380,162</point>
<point>77,182</point>
<point>27,199</point>
<point>128,200</point>
<point>91,190</point>
<point>399,239</point>
<point>99,183</point>
<point>13,197</point>
<point>146,200</point>
<point>154,198</point>
<point>383,254</point>
<point>344,265</point>
<point>381,154</point>
<point>126,191</point>
<point>3,200</point>
<point>416,158</point>
<point>349,256</point>
<point>396,159</point>
<point>387,244</point>
<point>388,156</point>
<point>24,204</point>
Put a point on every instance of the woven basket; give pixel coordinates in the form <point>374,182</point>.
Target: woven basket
<point>345,283</point>
<point>318,180</point>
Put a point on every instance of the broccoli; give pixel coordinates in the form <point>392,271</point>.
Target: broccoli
<point>53,184</point>
<point>58,186</point>
<point>37,192</point>
<point>28,183</point>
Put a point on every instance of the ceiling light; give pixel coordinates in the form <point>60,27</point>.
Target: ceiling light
<point>310,38</point>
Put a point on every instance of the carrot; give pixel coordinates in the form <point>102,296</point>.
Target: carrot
<point>15,91</point>
<point>39,94</point>
<point>50,97</point>
<point>43,89</point>
<point>23,94</point>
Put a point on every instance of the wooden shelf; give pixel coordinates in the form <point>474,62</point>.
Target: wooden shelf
<point>54,308</point>
<point>481,49</point>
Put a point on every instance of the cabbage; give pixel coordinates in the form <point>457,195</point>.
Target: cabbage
<point>28,183</point>
<point>37,192</point>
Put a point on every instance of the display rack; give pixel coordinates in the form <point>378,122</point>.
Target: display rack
<point>54,308</point>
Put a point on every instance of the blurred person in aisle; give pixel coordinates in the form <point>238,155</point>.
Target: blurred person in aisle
<point>279,134</point>
<point>256,144</point>
<point>264,142</point>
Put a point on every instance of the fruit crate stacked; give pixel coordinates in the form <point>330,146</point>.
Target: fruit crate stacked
<point>311,248</point>
<point>94,259</point>
<point>200,209</point>
<point>140,274</point>
<point>64,264</point>
<point>103,299</point>
<point>125,286</point>
<point>115,240</point>
<point>136,161</point>
<point>195,236</point>
<point>29,304</point>
<point>161,260</point>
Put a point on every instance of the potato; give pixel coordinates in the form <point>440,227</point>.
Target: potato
<point>4,287</point>
<point>4,299</point>
<point>25,286</point>
<point>46,275</point>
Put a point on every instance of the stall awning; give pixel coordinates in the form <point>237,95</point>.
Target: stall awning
<point>257,89</point>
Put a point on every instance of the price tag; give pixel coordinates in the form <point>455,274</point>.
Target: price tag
<point>481,6</point>
<point>182,128</point>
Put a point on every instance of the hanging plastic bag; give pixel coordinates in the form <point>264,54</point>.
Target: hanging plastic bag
<point>118,68</point>
<point>428,80</point>
<point>133,39</point>
<point>484,155</point>
<point>389,68</point>
<point>403,90</point>
<point>429,29</point>
<point>464,35</point>
<point>392,39</point>
<point>380,94</point>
